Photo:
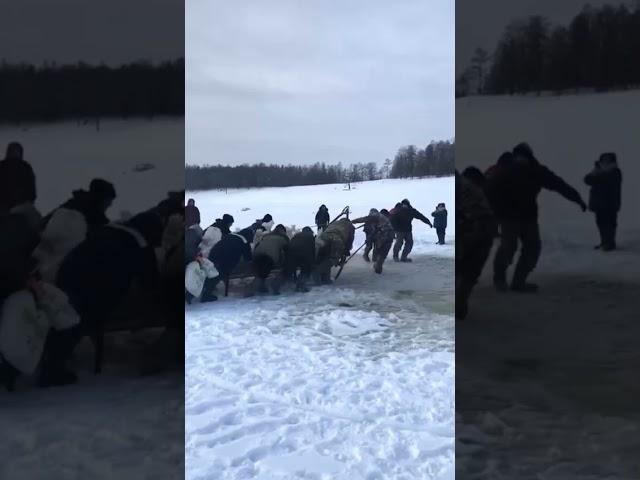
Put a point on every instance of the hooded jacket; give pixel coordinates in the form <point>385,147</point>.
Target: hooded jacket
<point>606,188</point>
<point>440,217</point>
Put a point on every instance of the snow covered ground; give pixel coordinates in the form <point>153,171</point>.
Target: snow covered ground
<point>297,206</point>
<point>118,424</point>
<point>549,379</point>
<point>66,156</point>
<point>349,381</point>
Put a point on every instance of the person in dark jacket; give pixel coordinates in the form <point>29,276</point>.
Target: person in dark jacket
<point>226,255</point>
<point>192,239</point>
<point>17,243</point>
<point>513,190</point>
<point>214,233</point>
<point>191,214</point>
<point>322,218</point>
<point>475,176</point>
<point>92,204</point>
<point>96,276</point>
<point>401,217</point>
<point>268,254</point>
<point>300,256</point>
<point>381,236</point>
<point>605,181</point>
<point>17,180</point>
<point>440,221</point>
<point>477,227</point>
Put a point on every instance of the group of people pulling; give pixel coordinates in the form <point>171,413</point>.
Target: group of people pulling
<point>213,255</point>
<point>502,202</point>
<point>63,274</point>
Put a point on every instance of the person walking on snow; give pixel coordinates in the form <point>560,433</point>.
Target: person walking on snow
<point>605,181</point>
<point>440,222</point>
<point>401,217</point>
<point>513,190</point>
<point>380,236</point>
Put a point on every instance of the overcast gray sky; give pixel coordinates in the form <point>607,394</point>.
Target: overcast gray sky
<point>94,31</point>
<point>481,23</point>
<point>288,81</point>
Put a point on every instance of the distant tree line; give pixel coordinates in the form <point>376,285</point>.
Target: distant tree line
<point>59,92</point>
<point>435,160</point>
<point>598,50</point>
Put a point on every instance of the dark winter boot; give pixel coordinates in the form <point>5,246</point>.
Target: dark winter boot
<point>57,378</point>
<point>208,296</point>
<point>188,297</point>
<point>524,287</point>
<point>406,260</point>
<point>366,257</point>
<point>395,258</point>
<point>8,375</point>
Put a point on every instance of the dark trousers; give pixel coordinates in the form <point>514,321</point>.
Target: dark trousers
<point>262,266</point>
<point>607,225</point>
<point>292,264</point>
<point>440,231</point>
<point>380,252</point>
<point>469,268</point>
<point>405,238</point>
<point>512,232</point>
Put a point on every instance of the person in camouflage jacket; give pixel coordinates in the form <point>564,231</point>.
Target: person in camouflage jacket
<point>476,228</point>
<point>380,236</point>
<point>333,245</point>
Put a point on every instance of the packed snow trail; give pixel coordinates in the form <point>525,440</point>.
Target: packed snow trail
<point>350,381</point>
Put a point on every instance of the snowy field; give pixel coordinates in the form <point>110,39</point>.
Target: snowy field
<point>551,376</point>
<point>297,206</point>
<point>350,381</point>
<point>118,424</point>
<point>66,156</point>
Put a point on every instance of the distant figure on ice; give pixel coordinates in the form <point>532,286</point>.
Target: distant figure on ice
<point>440,221</point>
<point>605,181</point>
<point>18,186</point>
<point>475,227</point>
<point>513,189</point>
<point>401,217</point>
<point>379,237</point>
<point>269,253</point>
<point>322,218</point>
<point>213,234</point>
<point>191,214</point>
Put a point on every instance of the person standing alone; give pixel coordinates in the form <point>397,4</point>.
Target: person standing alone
<point>605,181</point>
<point>440,222</point>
